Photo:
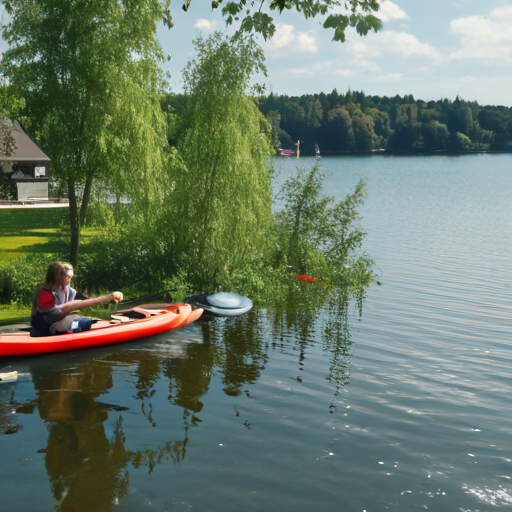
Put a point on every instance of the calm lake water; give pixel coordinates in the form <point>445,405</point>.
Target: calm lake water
<point>404,408</point>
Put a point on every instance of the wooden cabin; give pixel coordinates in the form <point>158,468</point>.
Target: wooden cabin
<point>29,165</point>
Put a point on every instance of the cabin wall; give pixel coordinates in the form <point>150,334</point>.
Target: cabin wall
<point>36,189</point>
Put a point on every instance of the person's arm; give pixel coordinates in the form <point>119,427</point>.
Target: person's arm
<point>90,303</point>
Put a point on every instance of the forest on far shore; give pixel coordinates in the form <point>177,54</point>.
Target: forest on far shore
<point>355,121</point>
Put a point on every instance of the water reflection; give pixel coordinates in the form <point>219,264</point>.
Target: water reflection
<point>85,468</point>
<point>337,341</point>
<point>241,350</point>
<point>9,410</point>
<point>89,468</point>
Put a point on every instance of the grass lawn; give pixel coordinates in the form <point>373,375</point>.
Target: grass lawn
<point>14,315</point>
<point>24,231</point>
<point>37,230</point>
<point>31,230</point>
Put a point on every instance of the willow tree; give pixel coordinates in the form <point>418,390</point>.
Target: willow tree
<point>88,70</point>
<point>222,193</point>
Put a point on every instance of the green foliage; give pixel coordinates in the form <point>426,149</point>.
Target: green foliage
<point>90,76</point>
<point>178,285</point>
<point>317,234</point>
<point>221,194</point>
<point>459,142</point>
<point>8,188</point>
<point>256,20</point>
<point>19,278</point>
<point>10,107</point>
<point>397,123</point>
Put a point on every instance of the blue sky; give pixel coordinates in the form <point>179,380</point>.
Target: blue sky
<point>432,49</point>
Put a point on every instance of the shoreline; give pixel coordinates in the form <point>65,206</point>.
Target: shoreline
<point>386,152</point>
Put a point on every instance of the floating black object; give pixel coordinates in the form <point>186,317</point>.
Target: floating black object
<point>222,304</point>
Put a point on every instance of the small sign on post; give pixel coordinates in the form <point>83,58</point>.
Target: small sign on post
<point>40,171</point>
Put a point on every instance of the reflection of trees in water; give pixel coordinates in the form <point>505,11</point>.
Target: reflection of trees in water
<point>150,458</point>
<point>336,339</point>
<point>8,410</point>
<point>240,352</point>
<point>89,470</point>
<point>300,322</point>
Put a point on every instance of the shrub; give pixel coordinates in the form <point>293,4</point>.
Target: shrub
<point>19,278</point>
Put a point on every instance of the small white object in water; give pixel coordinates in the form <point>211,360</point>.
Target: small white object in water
<point>7,376</point>
<point>470,454</point>
<point>381,462</point>
<point>477,430</point>
<point>221,445</point>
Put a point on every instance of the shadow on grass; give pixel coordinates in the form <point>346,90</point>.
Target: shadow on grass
<point>23,222</point>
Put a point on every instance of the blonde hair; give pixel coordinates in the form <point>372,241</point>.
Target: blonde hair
<point>67,268</point>
<point>55,269</point>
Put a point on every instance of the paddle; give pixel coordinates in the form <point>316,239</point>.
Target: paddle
<point>165,293</point>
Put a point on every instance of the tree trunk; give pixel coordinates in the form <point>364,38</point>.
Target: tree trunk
<point>86,197</point>
<point>74,223</point>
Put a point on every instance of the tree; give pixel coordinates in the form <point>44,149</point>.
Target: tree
<point>358,14</point>
<point>222,192</point>
<point>365,138</point>
<point>339,134</point>
<point>89,73</point>
<point>312,224</point>
<point>274,118</point>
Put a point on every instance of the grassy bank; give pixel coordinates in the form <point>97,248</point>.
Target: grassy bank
<point>35,231</point>
<point>13,314</point>
<point>27,231</point>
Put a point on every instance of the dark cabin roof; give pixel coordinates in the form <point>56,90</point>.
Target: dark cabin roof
<point>26,149</point>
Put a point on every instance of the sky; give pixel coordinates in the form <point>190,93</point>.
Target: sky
<point>431,49</point>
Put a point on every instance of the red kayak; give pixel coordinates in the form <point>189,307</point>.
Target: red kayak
<point>127,325</point>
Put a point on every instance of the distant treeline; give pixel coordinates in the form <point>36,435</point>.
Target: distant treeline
<point>357,122</point>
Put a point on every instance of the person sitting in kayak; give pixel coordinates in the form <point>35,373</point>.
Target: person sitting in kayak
<point>50,316</point>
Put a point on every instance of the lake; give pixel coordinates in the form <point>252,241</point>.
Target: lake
<point>403,408</point>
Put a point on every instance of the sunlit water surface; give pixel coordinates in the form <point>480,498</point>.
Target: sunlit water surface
<point>406,408</point>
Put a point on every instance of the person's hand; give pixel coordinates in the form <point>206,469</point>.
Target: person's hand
<point>117,296</point>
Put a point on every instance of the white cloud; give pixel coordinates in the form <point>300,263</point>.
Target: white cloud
<point>306,43</point>
<point>206,25</point>
<point>300,71</point>
<point>485,38</point>
<point>390,11</point>
<point>391,77</point>
<point>345,73</point>
<point>395,44</point>
<point>285,37</point>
